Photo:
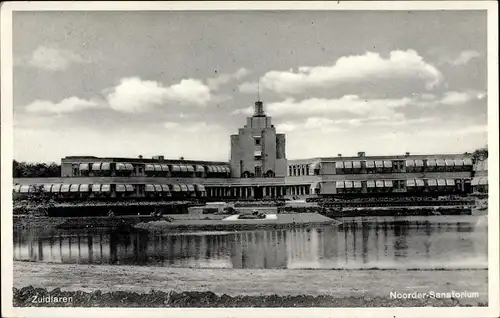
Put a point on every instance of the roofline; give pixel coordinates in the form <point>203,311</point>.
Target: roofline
<point>144,160</point>
<point>383,157</point>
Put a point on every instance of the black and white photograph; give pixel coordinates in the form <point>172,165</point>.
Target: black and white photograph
<point>250,156</point>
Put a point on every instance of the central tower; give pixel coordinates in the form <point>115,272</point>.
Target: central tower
<point>257,151</point>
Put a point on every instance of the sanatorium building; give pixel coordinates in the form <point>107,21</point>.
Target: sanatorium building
<point>259,169</point>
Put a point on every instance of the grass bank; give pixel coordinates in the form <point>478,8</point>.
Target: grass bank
<point>216,224</point>
<point>175,222</point>
<point>49,223</point>
<point>159,299</point>
<point>112,285</point>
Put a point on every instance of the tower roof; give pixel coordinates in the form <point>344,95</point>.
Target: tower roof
<point>259,109</point>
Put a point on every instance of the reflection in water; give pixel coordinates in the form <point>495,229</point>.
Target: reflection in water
<point>353,244</point>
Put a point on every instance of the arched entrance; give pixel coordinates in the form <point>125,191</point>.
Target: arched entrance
<point>258,192</point>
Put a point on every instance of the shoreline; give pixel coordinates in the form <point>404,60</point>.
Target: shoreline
<point>203,222</point>
<point>242,287</point>
<point>176,222</point>
<point>283,221</point>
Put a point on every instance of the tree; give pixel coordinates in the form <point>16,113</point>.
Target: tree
<point>35,203</point>
<point>15,169</point>
<point>480,154</point>
<point>35,170</point>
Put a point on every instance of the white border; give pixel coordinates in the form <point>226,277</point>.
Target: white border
<point>247,5</point>
<point>6,160</point>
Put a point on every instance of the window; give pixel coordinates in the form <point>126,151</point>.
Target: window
<point>76,171</point>
<point>257,141</point>
<point>258,172</point>
<point>257,154</point>
<point>402,166</point>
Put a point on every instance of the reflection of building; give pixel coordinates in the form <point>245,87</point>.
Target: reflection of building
<point>258,168</point>
<point>266,249</point>
<point>303,248</point>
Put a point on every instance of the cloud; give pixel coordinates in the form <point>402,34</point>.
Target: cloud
<point>189,91</point>
<point>191,127</point>
<point>463,58</point>
<point>134,95</point>
<point>52,59</point>
<point>451,98</point>
<point>67,105</point>
<point>431,137</point>
<point>428,96</point>
<point>248,87</point>
<point>330,125</point>
<point>440,131</point>
<point>352,104</point>
<point>33,121</point>
<point>47,145</point>
<point>287,126</point>
<point>215,82</point>
<point>351,69</point>
<point>403,121</point>
<point>243,111</point>
<point>375,108</point>
<point>354,111</point>
<point>310,124</point>
<point>349,103</point>
<point>220,98</point>
<point>394,120</point>
<point>171,125</point>
<point>475,129</point>
<point>458,98</point>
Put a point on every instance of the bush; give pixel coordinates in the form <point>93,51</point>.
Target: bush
<point>204,299</point>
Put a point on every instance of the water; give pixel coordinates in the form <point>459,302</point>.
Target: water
<point>402,243</point>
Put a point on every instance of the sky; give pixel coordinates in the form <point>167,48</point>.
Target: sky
<point>178,84</point>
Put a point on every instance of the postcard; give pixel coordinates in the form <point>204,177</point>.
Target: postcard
<point>233,159</point>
